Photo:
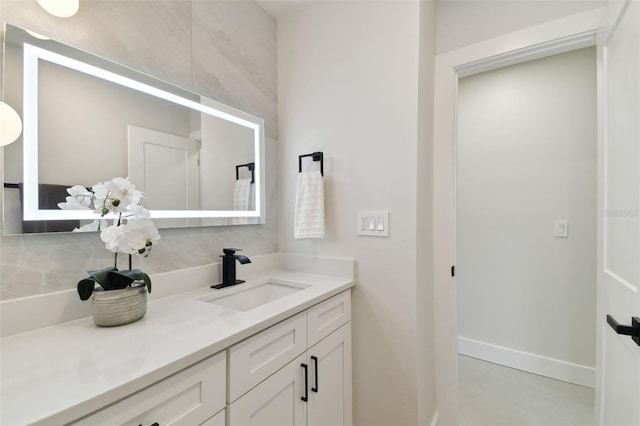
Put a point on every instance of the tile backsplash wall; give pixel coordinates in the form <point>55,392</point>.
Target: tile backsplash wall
<point>225,50</point>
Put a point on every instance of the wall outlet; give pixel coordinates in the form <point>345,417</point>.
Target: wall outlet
<point>373,223</point>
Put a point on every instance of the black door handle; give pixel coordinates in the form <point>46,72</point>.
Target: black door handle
<point>305,398</point>
<point>633,330</point>
<point>315,363</point>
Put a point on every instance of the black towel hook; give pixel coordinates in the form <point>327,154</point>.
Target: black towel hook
<point>316,156</point>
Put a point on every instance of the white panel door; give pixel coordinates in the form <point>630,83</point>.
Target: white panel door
<point>165,167</point>
<point>329,384</point>
<point>619,250</point>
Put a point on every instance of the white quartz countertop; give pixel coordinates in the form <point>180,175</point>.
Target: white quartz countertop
<point>60,373</point>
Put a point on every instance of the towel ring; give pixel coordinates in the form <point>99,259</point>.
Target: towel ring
<point>250,166</point>
<point>316,156</point>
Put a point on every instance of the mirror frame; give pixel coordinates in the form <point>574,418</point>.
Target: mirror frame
<point>32,54</point>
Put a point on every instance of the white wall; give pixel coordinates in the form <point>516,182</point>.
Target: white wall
<point>427,407</point>
<point>464,22</point>
<point>527,157</point>
<point>348,77</point>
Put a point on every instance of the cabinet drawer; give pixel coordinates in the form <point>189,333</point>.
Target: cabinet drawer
<point>189,397</point>
<point>256,358</point>
<point>326,317</point>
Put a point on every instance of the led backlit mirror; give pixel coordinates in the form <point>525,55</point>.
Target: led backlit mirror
<point>88,120</point>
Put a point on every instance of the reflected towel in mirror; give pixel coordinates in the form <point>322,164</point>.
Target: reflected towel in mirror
<point>241,199</point>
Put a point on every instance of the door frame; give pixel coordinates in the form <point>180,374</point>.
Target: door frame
<point>558,36</point>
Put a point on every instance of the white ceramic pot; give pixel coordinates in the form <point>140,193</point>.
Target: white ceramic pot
<point>119,307</point>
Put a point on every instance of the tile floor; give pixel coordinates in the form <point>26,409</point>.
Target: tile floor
<point>493,395</point>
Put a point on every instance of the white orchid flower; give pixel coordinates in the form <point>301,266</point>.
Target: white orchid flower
<point>117,195</point>
<point>82,194</point>
<point>94,226</point>
<point>112,236</point>
<point>131,231</point>
<point>139,236</point>
<point>73,203</point>
<point>139,212</point>
<point>126,192</point>
<point>102,203</point>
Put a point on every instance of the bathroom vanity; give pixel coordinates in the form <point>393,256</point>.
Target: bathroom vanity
<point>274,350</point>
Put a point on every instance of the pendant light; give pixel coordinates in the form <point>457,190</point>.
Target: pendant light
<point>10,124</point>
<point>60,8</point>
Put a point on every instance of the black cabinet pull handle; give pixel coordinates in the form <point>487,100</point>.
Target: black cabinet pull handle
<point>305,398</point>
<point>633,330</point>
<point>156,424</point>
<point>315,363</point>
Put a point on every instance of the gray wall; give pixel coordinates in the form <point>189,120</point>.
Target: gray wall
<point>223,50</point>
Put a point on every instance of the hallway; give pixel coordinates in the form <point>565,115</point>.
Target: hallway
<point>492,395</point>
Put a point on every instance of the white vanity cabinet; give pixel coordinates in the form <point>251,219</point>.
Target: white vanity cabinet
<point>193,396</point>
<point>198,362</point>
<point>297,372</point>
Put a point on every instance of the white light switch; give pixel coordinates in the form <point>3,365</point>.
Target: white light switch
<point>561,228</point>
<point>373,223</point>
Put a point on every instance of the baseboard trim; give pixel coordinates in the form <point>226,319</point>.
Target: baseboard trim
<point>536,364</point>
<point>434,419</point>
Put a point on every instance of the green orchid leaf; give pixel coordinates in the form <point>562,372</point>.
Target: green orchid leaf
<point>128,276</point>
<point>85,288</point>
<point>147,281</point>
<point>141,276</point>
<point>119,280</point>
<point>102,277</point>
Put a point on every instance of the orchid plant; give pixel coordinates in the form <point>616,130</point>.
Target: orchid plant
<point>132,231</point>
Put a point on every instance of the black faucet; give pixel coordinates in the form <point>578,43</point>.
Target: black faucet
<point>229,267</point>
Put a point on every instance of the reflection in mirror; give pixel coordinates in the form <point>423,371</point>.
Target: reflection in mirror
<point>88,120</point>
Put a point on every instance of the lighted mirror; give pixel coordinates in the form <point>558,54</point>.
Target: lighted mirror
<point>88,120</point>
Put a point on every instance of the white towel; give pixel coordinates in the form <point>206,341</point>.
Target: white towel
<point>241,197</point>
<point>309,220</point>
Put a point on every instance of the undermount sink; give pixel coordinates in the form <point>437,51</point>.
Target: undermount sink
<point>247,296</point>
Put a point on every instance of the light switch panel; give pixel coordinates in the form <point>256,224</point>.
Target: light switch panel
<point>561,229</point>
<point>373,223</point>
